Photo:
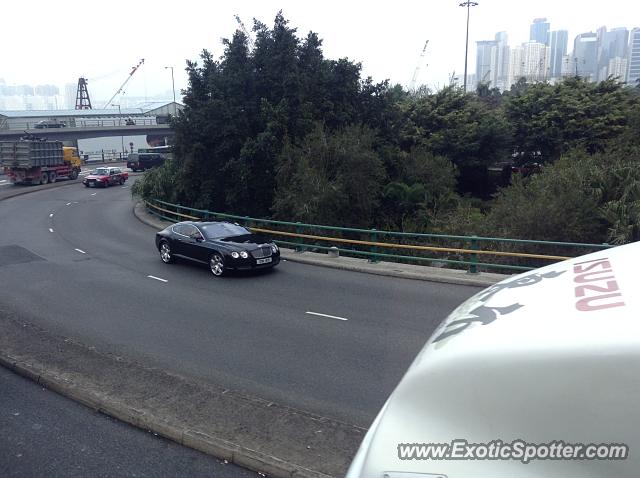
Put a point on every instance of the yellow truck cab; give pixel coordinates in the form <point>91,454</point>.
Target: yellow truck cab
<point>70,155</point>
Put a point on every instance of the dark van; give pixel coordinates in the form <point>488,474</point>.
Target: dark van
<point>142,161</point>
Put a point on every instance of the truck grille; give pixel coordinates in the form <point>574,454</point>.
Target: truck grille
<point>264,251</point>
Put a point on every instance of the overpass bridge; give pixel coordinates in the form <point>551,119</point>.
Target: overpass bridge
<point>73,125</point>
<point>87,132</point>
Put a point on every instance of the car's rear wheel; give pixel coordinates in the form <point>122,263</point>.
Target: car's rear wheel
<point>121,181</point>
<point>165,252</point>
<point>216,264</point>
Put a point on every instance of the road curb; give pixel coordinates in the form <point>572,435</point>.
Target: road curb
<point>389,269</point>
<point>223,424</point>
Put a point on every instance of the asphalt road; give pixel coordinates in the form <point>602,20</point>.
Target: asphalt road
<point>43,434</point>
<point>80,264</point>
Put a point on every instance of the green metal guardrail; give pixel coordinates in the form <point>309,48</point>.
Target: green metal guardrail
<point>366,242</point>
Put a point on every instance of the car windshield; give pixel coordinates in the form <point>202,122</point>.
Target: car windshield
<point>101,171</point>
<point>223,229</point>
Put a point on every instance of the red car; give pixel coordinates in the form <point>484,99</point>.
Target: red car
<point>105,177</point>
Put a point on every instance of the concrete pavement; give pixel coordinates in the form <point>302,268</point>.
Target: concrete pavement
<point>250,432</point>
<point>43,434</point>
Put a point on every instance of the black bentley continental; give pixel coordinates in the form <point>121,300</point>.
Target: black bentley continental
<point>223,246</point>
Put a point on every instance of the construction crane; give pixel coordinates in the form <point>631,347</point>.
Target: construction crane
<point>485,76</point>
<point>135,68</point>
<point>453,79</point>
<point>83,102</point>
<point>415,73</point>
<point>244,30</point>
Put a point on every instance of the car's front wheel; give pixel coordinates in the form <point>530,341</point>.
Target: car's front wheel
<point>216,263</point>
<point>165,252</point>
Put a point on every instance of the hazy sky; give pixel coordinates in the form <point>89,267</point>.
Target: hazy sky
<point>57,41</point>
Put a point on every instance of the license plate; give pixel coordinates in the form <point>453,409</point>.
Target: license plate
<point>266,260</point>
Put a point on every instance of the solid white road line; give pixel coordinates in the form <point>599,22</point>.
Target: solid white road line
<point>80,251</point>
<point>325,315</point>
<point>50,230</point>
<point>158,278</point>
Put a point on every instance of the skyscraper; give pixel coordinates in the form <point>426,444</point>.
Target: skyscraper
<point>539,31</point>
<point>585,55</point>
<point>558,42</point>
<point>486,60</point>
<point>501,77</point>
<point>535,61</point>
<point>612,44</point>
<point>633,75</point>
<point>617,68</point>
<point>516,70</point>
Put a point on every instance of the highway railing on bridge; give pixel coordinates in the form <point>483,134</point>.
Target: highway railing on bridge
<point>82,123</point>
<point>472,252</point>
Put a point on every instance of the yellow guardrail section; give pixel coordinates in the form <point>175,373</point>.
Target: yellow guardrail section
<point>409,246</point>
<point>382,244</point>
<point>172,212</point>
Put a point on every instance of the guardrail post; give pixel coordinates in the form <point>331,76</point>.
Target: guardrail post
<point>178,210</point>
<point>374,249</point>
<point>299,247</point>
<point>473,267</point>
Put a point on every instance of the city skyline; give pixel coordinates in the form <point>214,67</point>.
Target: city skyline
<point>387,42</point>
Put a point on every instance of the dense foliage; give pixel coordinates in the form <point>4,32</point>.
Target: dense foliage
<point>278,130</point>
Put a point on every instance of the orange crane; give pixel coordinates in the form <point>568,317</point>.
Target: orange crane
<point>135,68</point>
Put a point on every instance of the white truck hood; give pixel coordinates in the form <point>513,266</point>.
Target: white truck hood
<point>552,354</point>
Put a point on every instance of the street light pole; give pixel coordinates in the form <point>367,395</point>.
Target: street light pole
<point>467,4</point>
<point>173,89</point>
<point>120,124</point>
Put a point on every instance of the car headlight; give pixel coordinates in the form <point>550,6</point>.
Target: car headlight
<point>244,254</point>
<point>235,255</point>
<point>274,248</point>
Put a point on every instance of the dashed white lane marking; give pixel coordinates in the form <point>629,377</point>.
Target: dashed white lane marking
<point>325,315</point>
<point>50,230</point>
<point>158,278</point>
<point>68,204</point>
<point>3,181</point>
<point>80,251</point>
<point>51,215</point>
<point>94,194</point>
